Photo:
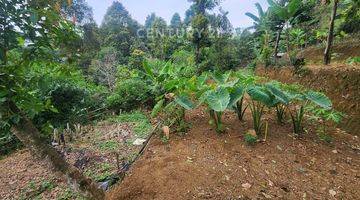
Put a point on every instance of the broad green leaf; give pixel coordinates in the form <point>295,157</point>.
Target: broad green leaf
<point>220,77</point>
<point>319,99</point>
<point>236,95</point>
<point>147,69</point>
<point>185,102</point>
<point>218,100</point>
<point>253,17</point>
<point>159,105</point>
<point>293,7</point>
<point>278,93</point>
<point>259,94</point>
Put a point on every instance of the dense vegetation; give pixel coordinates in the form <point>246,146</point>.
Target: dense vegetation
<point>59,67</point>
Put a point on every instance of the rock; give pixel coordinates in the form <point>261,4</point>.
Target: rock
<point>104,185</point>
<point>332,193</point>
<point>227,178</point>
<point>271,183</point>
<point>246,185</point>
<point>251,132</point>
<point>279,148</point>
<point>267,196</point>
<point>166,131</point>
<point>139,142</point>
<point>334,151</point>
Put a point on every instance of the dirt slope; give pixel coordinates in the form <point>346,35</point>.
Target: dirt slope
<point>340,82</point>
<point>202,165</point>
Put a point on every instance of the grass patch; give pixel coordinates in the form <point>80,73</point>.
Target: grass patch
<point>109,145</point>
<point>142,125</point>
<point>34,190</point>
<point>101,173</point>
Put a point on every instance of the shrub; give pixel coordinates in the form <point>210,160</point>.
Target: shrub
<point>129,95</point>
<point>250,139</point>
<point>8,141</point>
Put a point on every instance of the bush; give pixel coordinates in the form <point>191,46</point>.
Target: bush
<point>8,141</point>
<point>250,139</point>
<point>130,94</point>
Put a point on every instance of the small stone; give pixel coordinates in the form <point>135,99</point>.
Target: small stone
<point>332,193</point>
<point>334,151</point>
<point>246,185</point>
<point>251,132</point>
<point>139,142</point>
<point>227,178</point>
<point>271,183</point>
<point>279,148</point>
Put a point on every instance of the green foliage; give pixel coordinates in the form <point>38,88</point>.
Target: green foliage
<point>142,125</point>
<point>353,60</point>
<point>129,95</point>
<point>108,146</point>
<point>250,139</point>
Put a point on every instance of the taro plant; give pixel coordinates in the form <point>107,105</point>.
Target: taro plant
<point>298,100</point>
<point>245,80</point>
<point>260,98</point>
<point>217,91</point>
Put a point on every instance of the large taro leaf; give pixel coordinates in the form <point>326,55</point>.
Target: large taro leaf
<point>236,95</point>
<point>185,102</point>
<point>279,94</point>
<point>220,77</point>
<point>218,100</point>
<point>319,99</point>
<point>260,94</point>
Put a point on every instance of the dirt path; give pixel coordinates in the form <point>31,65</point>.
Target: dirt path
<point>202,165</point>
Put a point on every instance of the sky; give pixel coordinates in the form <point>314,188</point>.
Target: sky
<point>139,9</point>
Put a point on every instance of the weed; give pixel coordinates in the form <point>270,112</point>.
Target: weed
<point>109,145</point>
<point>250,139</point>
<point>142,126</point>
<point>325,137</point>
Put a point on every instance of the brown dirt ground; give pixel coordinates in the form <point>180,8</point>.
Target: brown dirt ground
<point>203,165</point>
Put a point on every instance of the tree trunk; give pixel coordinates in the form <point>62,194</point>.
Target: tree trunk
<point>327,53</point>
<point>278,36</point>
<point>30,136</point>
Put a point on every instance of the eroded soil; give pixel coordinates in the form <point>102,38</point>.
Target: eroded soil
<point>203,165</point>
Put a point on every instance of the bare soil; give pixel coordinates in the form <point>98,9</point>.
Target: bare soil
<point>204,165</point>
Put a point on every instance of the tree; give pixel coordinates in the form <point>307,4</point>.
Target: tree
<point>175,23</point>
<point>45,31</point>
<point>150,20</point>
<point>286,12</point>
<point>119,30</point>
<point>158,38</point>
<point>327,55</point>
<point>200,25</point>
